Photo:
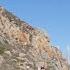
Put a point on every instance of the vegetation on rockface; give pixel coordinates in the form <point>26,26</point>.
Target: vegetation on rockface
<point>2,48</point>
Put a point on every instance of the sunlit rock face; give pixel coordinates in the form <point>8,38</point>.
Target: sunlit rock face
<point>23,47</point>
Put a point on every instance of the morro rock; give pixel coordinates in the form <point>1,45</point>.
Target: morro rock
<point>23,47</point>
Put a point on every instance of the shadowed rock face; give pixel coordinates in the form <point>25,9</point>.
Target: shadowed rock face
<point>23,47</point>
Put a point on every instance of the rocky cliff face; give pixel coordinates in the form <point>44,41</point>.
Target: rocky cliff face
<point>23,47</point>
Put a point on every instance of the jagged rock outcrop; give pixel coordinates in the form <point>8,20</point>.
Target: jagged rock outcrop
<point>23,47</point>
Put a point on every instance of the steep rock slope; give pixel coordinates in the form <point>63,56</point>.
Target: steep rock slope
<point>23,47</point>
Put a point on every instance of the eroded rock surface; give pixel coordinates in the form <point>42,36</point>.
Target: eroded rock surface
<point>23,47</point>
